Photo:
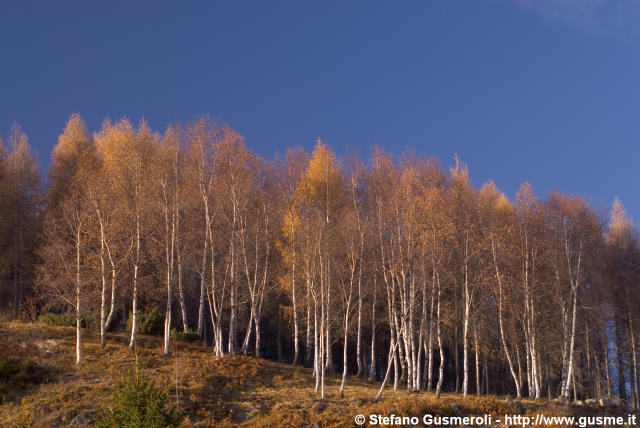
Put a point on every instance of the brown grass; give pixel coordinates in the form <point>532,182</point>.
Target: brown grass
<point>209,391</point>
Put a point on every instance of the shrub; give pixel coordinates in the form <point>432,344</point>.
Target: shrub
<point>14,369</point>
<point>137,402</point>
<point>184,336</point>
<point>17,374</point>
<point>151,322</point>
<point>63,319</point>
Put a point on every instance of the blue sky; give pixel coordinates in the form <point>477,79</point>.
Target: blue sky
<point>545,91</point>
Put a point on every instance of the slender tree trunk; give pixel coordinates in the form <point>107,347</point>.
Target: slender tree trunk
<point>456,341</point>
<point>183,306</point>
<point>634,375</point>
<point>247,336</point>
<point>598,375</point>
<point>316,348</point>
<point>232,283</point>
<point>390,360</point>
<point>294,301</point>
<point>258,352</point>
<point>170,237</point>
<point>344,355</point>
<point>203,281</point>
<point>467,319</point>
<point>103,291</point>
<point>534,354</point>
<point>324,344</point>
<point>477,346</point>
<point>359,327</point>
<point>232,318</point>
<point>308,350</point>
<point>549,395</point>
<point>361,261</point>
<point>439,338</point>
<point>107,323</point>
<point>78,287</point>
<point>516,378</point>
<point>327,332</point>
<point>134,315</point>
<point>429,344</point>
<point>590,377</point>
<point>465,342</point>
<point>372,368</point>
<point>567,386</point>
<point>519,364</point>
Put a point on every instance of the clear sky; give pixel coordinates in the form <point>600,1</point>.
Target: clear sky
<point>545,91</point>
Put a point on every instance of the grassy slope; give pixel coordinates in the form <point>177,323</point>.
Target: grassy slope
<point>210,392</point>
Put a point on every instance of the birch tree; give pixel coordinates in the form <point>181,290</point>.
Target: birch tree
<point>576,229</point>
<point>67,222</point>
<point>126,153</point>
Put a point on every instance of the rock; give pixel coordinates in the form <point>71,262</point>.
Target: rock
<point>609,402</point>
<point>455,407</point>
<point>592,403</point>
<point>48,346</point>
<point>80,420</point>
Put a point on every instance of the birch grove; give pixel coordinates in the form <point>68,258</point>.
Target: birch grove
<point>392,269</point>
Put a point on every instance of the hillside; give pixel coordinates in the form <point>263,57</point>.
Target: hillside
<point>40,386</point>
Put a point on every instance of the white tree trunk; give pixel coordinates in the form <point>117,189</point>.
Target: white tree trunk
<point>477,346</point>
<point>183,307</point>
<point>439,337</point>
<point>344,357</point>
<point>134,304</point>
<point>567,386</point>
<point>294,301</point>
<point>390,360</point>
<point>203,281</point>
<point>103,291</point>
<point>503,340</point>
<point>372,368</point>
<point>78,289</point>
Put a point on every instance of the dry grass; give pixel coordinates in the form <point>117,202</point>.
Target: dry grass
<point>209,391</point>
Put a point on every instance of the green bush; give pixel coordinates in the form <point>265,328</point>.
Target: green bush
<point>17,374</point>
<point>63,319</point>
<point>14,369</point>
<point>184,336</point>
<point>137,402</point>
<point>151,322</point>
